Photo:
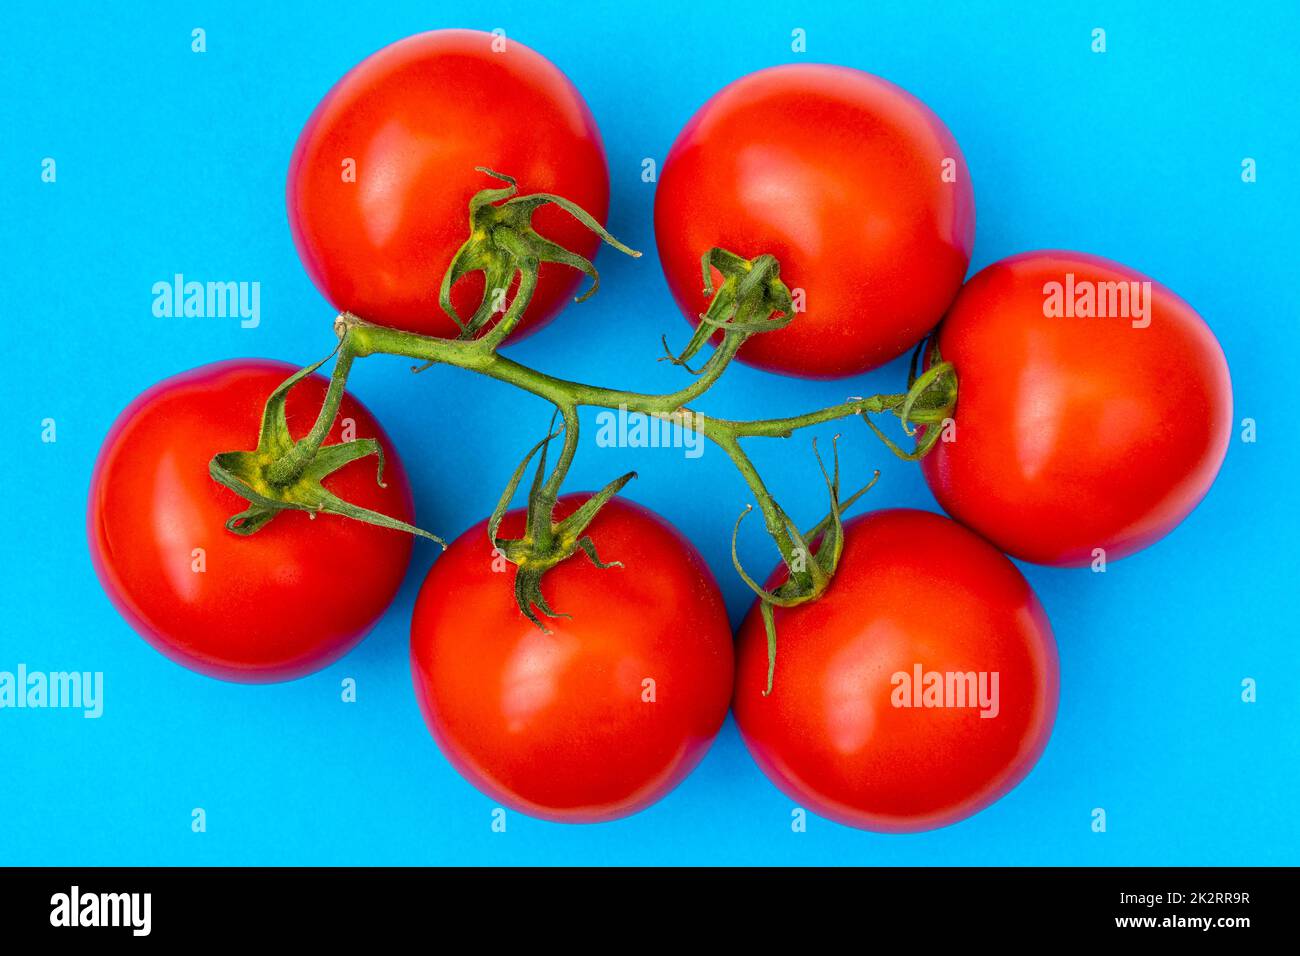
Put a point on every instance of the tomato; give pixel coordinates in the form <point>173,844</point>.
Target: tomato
<point>1073,433</point>
<point>606,714</point>
<point>842,733</point>
<point>274,605</point>
<point>416,118</point>
<point>855,186</point>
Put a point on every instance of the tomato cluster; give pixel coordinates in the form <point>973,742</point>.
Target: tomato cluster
<point>1093,414</point>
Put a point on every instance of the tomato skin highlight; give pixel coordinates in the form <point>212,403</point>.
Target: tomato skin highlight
<point>912,588</point>
<point>279,604</point>
<point>417,117</point>
<point>838,174</point>
<point>555,725</point>
<point>1074,433</point>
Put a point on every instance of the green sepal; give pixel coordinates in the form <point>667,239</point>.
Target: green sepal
<point>931,399</point>
<point>752,299</point>
<point>546,542</point>
<point>809,584</point>
<point>769,627</point>
<point>570,529</point>
<point>272,479</point>
<point>512,486</point>
<point>503,244</point>
<point>528,594</point>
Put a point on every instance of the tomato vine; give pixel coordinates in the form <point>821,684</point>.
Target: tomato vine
<point>751,299</point>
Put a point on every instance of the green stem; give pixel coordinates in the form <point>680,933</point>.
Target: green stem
<point>542,504</point>
<point>502,244</point>
<point>773,516</point>
<point>358,339</point>
<point>785,427</point>
<point>361,339</point>
<point>287,470</point>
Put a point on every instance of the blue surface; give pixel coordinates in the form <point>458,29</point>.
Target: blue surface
<point>171,162</point>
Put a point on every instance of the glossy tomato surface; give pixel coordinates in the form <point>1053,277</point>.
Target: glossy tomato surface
<point>855,186</point>
<point>606,714</point>
<point>915,594</point>
<point>275,605</point>
<point>416,118</point>
<point>1078,433</point>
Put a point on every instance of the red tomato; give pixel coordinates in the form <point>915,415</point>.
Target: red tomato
<point>1075,433</point>
<point>416,118</point>
<point>914,592</point>
<point>606,714</point>
<point>275,605</point>
<point>841,176</point>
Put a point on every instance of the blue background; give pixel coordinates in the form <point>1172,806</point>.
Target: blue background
<point>170,162</point>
